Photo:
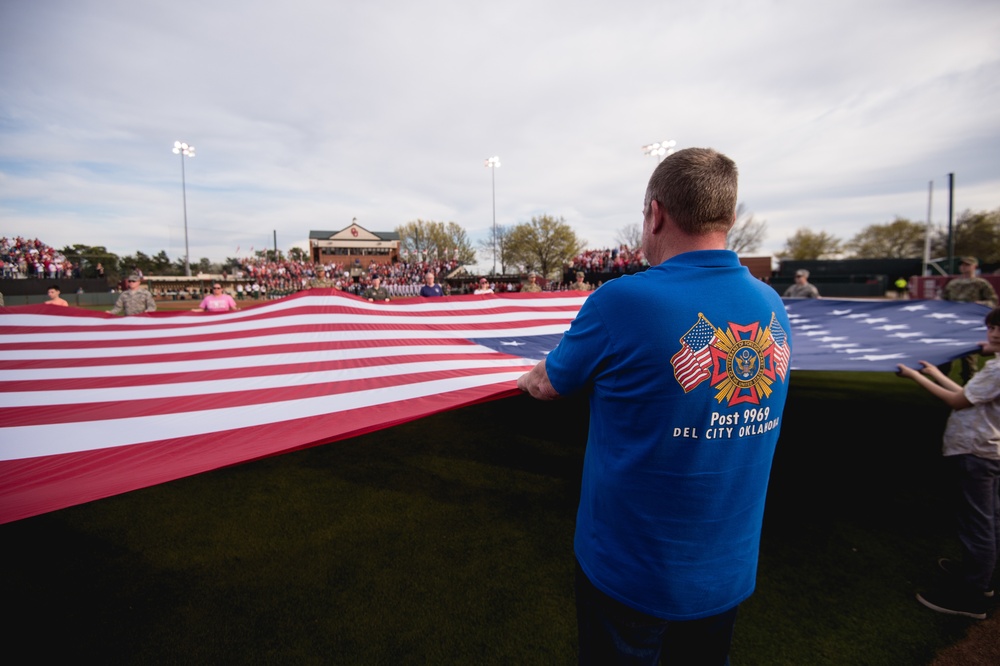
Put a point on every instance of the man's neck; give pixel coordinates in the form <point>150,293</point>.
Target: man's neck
<point>679,243</point>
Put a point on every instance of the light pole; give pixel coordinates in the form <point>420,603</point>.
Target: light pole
<point>660,149</point>
<point>494,163</point>
<point>184,150</point>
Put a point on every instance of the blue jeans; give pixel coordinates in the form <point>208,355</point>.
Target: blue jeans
<point>978,517</point>
<point>611,633</point>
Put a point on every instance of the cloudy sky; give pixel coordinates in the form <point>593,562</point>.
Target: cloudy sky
<point>308,113</point>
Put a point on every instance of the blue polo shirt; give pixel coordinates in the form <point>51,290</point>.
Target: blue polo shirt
<point>686,365</point>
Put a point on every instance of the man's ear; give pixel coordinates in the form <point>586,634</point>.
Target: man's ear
<point>656,214</point>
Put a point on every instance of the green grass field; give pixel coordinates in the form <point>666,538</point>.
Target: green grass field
<point>449,541</point>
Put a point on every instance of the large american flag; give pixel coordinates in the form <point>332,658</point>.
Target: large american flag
<point>93,405</point>
<point>848,335</point>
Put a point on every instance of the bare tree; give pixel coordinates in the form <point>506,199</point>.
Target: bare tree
<point>502,247</point>
<point>630,236</point>
<point>747,233</point>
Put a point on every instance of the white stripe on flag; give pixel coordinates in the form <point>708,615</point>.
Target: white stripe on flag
<point>34,441</point>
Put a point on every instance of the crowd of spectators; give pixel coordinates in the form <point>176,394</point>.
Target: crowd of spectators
<point>279,277</point>
<point>259,278</point>
<point>402,279</point>
<point>274,279</point>
<point>611,260</point>
<point>31,258</point>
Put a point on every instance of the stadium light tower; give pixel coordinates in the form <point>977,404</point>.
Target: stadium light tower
<point>660,149</point>
<point>493,163</point>
<point>184,150</point>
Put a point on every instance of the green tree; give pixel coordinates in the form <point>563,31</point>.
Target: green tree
<point>747,233</point>
<point>805,244</point>
<point>435,240</point>
<point>203,265</point>
<point>88,256</point>
<point>160,264</point>
<point>899,239</point>
<point>460,245</point>
<point>544,244</point>
<point>298,254</point>
<point>416,238</point>
<point>140,260</point>
<point>976,234</point>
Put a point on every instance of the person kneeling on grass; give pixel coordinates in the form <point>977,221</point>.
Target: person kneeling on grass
<point>972,449</point>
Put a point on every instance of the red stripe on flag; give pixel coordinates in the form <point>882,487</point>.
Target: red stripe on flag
<point>214,354</point>
<point>37,485</point>
<point>248,372</point>
<point>182,405</point>
<point>93,405</point>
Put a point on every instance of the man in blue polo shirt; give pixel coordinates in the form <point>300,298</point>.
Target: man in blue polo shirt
<point>430,290</point>
<point>686,366</point>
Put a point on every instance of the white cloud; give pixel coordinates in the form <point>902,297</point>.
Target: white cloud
<point>307,114</point>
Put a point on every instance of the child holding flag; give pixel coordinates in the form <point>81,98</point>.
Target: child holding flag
<point>972,449</point>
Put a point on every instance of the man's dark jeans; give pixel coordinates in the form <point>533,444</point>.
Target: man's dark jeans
<point>611,633</point>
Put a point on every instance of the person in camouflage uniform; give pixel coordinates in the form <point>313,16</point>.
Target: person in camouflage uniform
<point>580,284</point>
<point>531,286</point>
<point>968,289</point>
<point>801,288</point>
<point>376,292</point>
<point>134,301</point>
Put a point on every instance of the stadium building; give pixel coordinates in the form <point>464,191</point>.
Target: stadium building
<point>354,245</point>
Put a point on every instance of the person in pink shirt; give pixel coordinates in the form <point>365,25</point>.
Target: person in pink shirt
<point>217,301</point>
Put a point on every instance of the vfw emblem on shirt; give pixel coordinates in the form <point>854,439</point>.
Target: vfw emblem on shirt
<point>741,361</point>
